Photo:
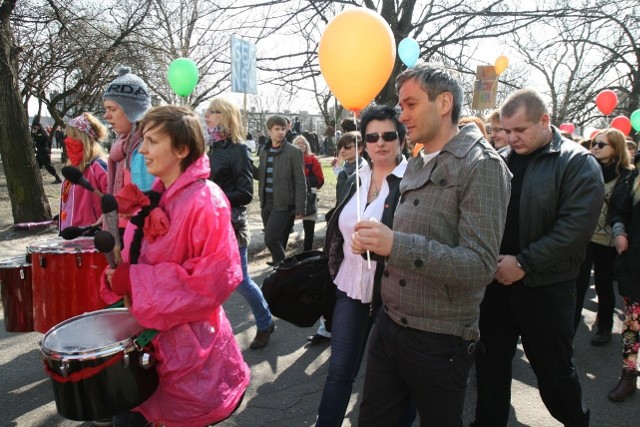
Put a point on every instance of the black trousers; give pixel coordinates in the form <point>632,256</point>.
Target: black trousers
<point>44,159</point>
<point>405,365</point>
<point>543,318</point>
<point>603,259</point>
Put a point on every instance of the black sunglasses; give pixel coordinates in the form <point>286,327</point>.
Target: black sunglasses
<point>386,136</point>
<point>347,146</point>
<point>600,145</point>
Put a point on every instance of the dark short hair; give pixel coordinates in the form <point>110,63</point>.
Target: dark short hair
<point>530,100</point>
<point>182,125</point>
<point>348,125</point>
<point>382,112</point>
<point>349,138</point>
<point>276,121</point>
<point>435,80</point>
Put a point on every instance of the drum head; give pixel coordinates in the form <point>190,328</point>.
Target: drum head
<point>96,332</point>
<point>61,246</point>
<point>19,261</point>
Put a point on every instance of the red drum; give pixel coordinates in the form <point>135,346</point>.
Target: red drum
<point>17,301</point>
<point>66,280</point>
<point>96,368</point>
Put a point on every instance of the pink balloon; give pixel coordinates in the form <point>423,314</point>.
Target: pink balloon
<point>567,127</point>
<point>607,101</point>
<point>622,123</point>
<point>594,133</point>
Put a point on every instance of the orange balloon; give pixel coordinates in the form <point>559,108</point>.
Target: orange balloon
<point>356,53</point>
<point>502,62</point>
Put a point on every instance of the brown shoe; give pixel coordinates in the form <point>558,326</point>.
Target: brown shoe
<point>625,387</point>
<point>262,338</point>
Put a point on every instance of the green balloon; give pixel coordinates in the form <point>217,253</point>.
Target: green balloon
<point>635,120</point>
<point>183,76</point>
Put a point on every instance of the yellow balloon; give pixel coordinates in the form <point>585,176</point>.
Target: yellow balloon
<point>357,52</point>
<point>502,62</point>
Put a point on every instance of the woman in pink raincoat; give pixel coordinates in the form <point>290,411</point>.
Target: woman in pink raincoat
<point>180,264</point>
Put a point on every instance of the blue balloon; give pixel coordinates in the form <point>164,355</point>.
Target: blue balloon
<point>409,51</point>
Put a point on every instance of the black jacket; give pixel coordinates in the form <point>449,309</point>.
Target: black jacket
<point>627,212</point>
<point>334,239</point>
<point>561,198</point>
<point>232,170</point>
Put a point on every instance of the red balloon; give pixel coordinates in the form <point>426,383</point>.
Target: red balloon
<point>622,123</point>
<point>594,133</point>
<point>607,101</point>
<point>567,127</point>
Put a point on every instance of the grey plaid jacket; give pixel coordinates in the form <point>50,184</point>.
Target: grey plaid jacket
<point>447,232</point>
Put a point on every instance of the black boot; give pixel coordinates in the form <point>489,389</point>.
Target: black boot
<point>625,387</point>
<point>602,337</point>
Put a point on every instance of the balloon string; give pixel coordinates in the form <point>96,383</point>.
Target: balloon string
<point>358,213</point>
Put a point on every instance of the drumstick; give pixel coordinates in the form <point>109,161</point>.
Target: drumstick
<point>72,232</point>
<point>109,206</point>
<point>105,243</point>
<point>74,176</point>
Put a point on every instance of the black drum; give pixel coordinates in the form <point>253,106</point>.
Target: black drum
<point>95,368</point>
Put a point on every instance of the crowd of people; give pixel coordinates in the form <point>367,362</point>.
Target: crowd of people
<point>451,239</point>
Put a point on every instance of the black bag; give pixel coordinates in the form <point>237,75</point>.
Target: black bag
<point>300,289</point>
<point>311,206</point>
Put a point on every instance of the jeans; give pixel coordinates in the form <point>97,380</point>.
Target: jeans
<point>405,364</point>
<point>253,295</point>
<point>276,229</point>
<point>603,259</point>
<point>543,318</point>
<point>351,326</point>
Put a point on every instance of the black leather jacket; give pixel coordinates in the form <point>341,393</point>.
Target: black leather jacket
<point>334,239</point>
<point>232,170</point>
<point>561,198</point>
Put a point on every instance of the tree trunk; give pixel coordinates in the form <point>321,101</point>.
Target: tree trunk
<point>29,202</point>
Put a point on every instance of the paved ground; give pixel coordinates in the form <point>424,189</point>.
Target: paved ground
<point>288,375</point>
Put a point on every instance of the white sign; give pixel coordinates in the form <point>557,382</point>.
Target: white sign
<point>243,66</point>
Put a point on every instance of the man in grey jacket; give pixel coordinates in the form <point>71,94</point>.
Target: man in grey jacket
<point>281,187</point>
<point>556,197</point>
<point>441,253</point>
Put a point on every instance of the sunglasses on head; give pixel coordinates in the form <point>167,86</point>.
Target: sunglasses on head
<point>386,136</point>
<point>600,145</point>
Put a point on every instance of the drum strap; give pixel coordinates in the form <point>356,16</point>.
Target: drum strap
<point>145,337</point>
<point>83,373</point>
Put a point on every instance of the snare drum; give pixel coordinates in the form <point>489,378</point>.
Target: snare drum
<point>95,369</point>
<point>66,280</point>
<point>17,302</point>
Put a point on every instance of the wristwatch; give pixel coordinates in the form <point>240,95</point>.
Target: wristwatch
<point>519,265</point>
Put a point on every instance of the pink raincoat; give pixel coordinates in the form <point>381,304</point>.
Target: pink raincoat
<point>79,206</point>
<point>178,288</point>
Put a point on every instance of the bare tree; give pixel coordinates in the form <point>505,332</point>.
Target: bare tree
<point>24,181</point>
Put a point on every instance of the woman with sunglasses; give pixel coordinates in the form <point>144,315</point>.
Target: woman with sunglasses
<point>358,280</point>
<point>610,149</point>
<point>232,170</point>
<point>343,167</point>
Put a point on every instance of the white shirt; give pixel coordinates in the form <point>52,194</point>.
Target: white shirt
<point>354,277</point>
